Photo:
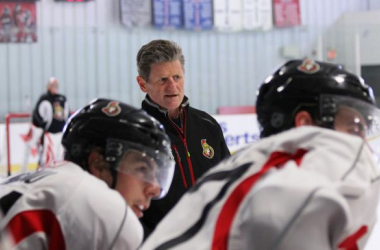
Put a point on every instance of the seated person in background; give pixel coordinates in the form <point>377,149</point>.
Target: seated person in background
<point>117,160</point>
<point>310,183</point>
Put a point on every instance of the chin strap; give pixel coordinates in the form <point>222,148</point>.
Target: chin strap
<point>114,178</point>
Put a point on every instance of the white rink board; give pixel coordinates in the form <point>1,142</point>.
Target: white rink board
<point>18,148</point>
<point>238,130</point>
<point>24,155</point>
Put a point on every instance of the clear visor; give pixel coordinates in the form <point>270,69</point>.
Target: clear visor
<point>359,118</point>
<point>151,166</point>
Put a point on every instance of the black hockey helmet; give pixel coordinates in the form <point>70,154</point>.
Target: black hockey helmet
<point>116,127</point>
<point>307,85</point>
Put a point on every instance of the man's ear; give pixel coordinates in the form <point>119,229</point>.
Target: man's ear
<point>94,164</point>
<point>142,83</point>
<point>303,118</point>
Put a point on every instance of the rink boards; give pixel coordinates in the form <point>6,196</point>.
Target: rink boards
<point>238,130</point>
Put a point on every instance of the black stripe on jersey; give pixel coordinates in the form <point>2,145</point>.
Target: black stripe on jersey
<point>7,201</point>
<point>231,176</point>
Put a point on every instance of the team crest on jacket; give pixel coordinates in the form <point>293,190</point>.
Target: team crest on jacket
<point>208,151</point>
<point>112,109</point>
<point>59,113</point>
<point>308,66</point>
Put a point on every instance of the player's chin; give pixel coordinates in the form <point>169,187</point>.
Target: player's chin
<point>138,212</point>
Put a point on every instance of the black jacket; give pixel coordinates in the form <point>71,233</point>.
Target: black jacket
<point>206,146</point>
<point>59,113</point>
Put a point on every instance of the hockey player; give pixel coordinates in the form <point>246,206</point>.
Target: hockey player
<point>117,160</point>
<point>48,119</point>
<point>52,111</point>
<point>310,187</point>
<point>6,22</point>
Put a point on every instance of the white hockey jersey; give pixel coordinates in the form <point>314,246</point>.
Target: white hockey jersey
<point>307,188</point>
<point>65,207</point>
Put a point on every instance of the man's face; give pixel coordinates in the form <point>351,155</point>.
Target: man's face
<point>166,84</point>
<point>53,88</point>
<point>350,121</point>
<point>136,181</point>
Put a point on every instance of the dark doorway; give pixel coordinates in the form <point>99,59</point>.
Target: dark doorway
<point>371,75</point>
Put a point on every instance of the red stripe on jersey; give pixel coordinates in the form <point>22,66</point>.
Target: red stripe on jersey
<point>27,223</point>
<point>228,212</point>
<point>350,243</point>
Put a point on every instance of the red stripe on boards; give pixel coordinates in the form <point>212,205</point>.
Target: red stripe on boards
<point>27,223</point>
<point>230,207</point>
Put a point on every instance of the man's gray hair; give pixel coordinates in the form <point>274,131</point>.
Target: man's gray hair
<point>157,51</point>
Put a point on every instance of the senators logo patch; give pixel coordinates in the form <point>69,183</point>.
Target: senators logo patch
<point>208,151</point>
<point>59,113</point>
<point>308,66</point>
<point>112,109</point>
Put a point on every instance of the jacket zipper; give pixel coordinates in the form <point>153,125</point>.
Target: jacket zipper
<point>189,162</point>
<point>180,165</point>
<point>182,136</point>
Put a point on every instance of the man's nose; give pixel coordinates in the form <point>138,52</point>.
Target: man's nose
<point>153,190</point>
<point>171,82</point>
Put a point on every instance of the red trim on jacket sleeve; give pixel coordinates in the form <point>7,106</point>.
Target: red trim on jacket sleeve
<point>27,223</point>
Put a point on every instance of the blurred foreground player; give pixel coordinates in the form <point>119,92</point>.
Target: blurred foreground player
<point>117,160</point>
<point>313,187</point>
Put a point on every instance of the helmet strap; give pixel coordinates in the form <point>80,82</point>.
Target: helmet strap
<point>114,177</point>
